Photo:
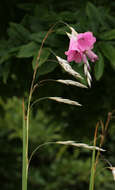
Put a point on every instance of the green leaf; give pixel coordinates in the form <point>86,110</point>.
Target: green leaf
<point>62,30</point>
<point>109,35</point>
<point>26,6</point>
<point>99,67</point>
<point>109,52</point>
<point>95,17</point>
<point>6,70</point>
<point>18,31</point>
<point>38,37</point>
<point>93,12</point>
<point>5,57</point>
<point>43,57</point>
<point>51,41</point>
<point>80,70</point>
<point>28,50</point>
<point>7,53</point>
<point>46,68</point>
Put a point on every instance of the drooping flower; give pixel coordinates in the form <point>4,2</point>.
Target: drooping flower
<point>81,44</point>
<point>74,54</point>
<point>80,47</point>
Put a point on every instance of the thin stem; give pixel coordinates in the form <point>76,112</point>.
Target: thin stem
<point>37,85</point>
<point>91,185</point>
<point>24,165</point>
<point>35,150</point>
<point>103,135</point>
<point>26,123</point>
<point>40,99</point>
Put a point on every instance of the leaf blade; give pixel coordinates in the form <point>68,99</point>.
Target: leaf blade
<point>99,67</point>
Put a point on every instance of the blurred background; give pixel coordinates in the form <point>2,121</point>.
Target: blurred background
<point>23,25</point>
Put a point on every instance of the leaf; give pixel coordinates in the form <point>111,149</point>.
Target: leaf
<point>43,57</point>
<point>28,50</point>
<point>7,53</point>
<point>62,30</point>
<point>51,41</point>
<point>38,37</point>
<point>80,70</point>
<point>5,72</point>
<point>18,31</point>
<point>109,35</point>
<point>26,6</point>
<point>109,52</point>
<point>92,11</point>
<point>95,16</point>
<point>5,57</point>
<point>46,68</point>
<point>99,67</point>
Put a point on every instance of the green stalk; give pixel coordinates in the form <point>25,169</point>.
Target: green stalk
<point>25,158</point>
<point>91,186</point>
<point>26,122</point>
<point>93,166</point>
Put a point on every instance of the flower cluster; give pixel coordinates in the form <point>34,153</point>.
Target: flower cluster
<point>80,48</point>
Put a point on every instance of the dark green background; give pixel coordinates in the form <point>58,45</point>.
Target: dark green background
<point>23,25</point>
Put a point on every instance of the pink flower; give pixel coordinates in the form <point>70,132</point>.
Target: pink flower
<point>73,55</point>
<point>85,41</point>
<point>80,45</point>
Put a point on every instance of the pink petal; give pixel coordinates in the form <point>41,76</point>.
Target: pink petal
<point>73,55</point>
<point>92,56</point>
<point>70,55</point>
<point>84,59</point>
<point>85,41</point>
<point>73,44</point>
<point>78,57</point>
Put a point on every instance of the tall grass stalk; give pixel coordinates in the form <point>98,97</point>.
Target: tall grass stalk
<point>26,113</point>
<point>92,176</point>
<point>26,118</point>
<point>25,157</point>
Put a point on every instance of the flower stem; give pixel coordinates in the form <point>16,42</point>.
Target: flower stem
<point>25,157</point>
<point>26,119</point>
<point>93,168</point>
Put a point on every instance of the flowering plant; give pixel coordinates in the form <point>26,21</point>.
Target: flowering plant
<point>80,47</point>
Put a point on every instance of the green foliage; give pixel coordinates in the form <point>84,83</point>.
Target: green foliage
<point>43,57</point>
<point>99,67</point>
<point>18,32</point>
<point>24,38</point>
<point>27,50</point>
<point>54,166</point>
<point>109,35</point>
<point>109,52</point>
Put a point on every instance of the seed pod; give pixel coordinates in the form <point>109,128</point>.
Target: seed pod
<point>66,66</point>
<point>65,101</point>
